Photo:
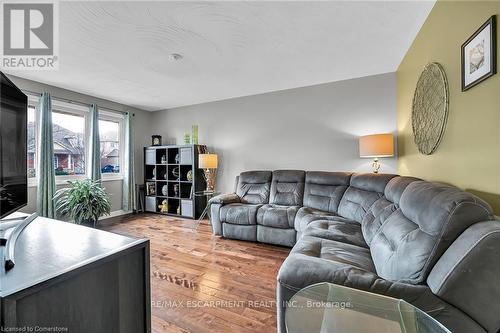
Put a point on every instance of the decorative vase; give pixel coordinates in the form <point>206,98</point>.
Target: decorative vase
<point>189,175</point>
<point>176,159</point>
<point>194,134</point>
<point>164,190</point>
<point>187,138</point>
<point>163,159</point>
<point>176,190</point>
<point>154,173</point>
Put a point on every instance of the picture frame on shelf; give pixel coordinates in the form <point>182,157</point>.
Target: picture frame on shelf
<point>150,188</point>
<point>156,140</point>
<point>478,55</point>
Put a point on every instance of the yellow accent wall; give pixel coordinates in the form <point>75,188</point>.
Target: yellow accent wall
<point>469,154</point>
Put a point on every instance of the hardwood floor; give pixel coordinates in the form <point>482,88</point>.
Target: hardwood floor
<point>203,283</point>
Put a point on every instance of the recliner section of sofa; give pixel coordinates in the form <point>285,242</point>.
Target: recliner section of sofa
<point>263,207</point>
<point>234,215</point>
<point>276,220</point>
<point>424,242</point>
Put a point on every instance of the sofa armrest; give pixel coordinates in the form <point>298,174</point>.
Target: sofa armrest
<point>225,199</point>
<point>215,219</point>
<point>466,275</point>
<point>215,204</point>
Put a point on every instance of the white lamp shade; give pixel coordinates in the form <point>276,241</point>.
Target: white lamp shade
<point>376,145</point>
<point>207,161</point>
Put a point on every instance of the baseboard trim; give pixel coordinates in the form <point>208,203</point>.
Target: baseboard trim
<point>115,214</point>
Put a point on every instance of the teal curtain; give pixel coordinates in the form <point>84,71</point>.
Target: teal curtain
<point>94,145</point>
<point>46,177</point>
<point>128,203</point>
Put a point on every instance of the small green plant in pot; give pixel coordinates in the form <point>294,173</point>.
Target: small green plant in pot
<point>84,201</point>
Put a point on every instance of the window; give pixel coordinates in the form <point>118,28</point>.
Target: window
<point>69,132</point>
<point>109,135</point>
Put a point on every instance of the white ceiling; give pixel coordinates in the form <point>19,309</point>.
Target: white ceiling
<point>120,50</point>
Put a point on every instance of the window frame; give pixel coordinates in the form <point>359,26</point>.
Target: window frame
<point>79,111</point>
<point>82,111</point>
<point>32,101</point>
<point>107,115</point>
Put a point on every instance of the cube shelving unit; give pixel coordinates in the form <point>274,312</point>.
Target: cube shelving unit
<point>166,171</point>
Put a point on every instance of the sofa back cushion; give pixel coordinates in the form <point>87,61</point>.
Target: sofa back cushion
<point>363,191</point>
<point>415,233</point>
<point>253,187</point>
<point>324,190</point>
<point>384,207</point>
<point>287,187</point>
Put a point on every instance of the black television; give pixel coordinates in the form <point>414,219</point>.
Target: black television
<point>13,141</point>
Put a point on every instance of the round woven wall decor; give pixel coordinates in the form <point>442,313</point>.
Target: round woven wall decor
<point>430,108</point>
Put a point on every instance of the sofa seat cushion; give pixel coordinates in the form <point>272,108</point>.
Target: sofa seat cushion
<point>277,216</point>
<point>238,213</point>
<point>306,215</point>
<point>334,253</point>
<point>341,231</point>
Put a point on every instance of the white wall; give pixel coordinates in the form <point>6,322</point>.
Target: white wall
<point>311,128</point>
<point>141,126</point>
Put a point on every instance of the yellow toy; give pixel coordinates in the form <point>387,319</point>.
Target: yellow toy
<point>164,206</point>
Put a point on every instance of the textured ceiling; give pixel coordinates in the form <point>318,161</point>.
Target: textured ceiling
<point>120,50</point>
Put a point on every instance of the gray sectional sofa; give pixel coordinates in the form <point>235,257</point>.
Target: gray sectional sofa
<point>430,244</point>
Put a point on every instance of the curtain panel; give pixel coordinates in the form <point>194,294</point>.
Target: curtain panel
<point>128,203</point>
<point>46,177</point>
<point>94,145</point>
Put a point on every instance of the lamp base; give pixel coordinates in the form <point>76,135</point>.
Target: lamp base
<point>209,175</point>
<point>375,165</point>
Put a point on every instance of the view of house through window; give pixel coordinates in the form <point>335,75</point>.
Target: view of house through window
<point>109,134</point>
<point>69,144</point>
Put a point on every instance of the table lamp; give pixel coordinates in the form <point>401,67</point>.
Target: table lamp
<point>376,146</point>
<point>208,162</point>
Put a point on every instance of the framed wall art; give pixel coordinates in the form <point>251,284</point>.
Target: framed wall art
<point>479,55</point>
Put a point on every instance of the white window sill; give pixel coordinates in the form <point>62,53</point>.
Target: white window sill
<point>110,178</point>
<point>63,180</point>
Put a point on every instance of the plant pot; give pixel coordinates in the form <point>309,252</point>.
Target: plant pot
<point>91,223</point>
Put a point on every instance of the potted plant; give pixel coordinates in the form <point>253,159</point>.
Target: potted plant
<point>84,201</point>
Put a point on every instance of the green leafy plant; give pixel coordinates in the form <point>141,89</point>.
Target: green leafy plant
<point>84,201</point>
